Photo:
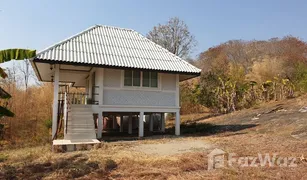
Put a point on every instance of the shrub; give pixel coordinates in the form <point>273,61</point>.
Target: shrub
<point>48,124</point>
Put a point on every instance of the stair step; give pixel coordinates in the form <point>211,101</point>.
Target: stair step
<point>81,110</point>
<point>80,123</point>
<point>80,132</point>
<point>80,118</point>
<point>70,126</point>
<point>85,120</point>
<point>81,114</point>
<point>80,135</point>
<point>80,126</point>
<point>80,107</point>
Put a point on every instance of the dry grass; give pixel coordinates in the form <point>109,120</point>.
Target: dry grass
<point>116,160</point>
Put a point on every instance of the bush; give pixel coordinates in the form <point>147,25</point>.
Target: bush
<point>48,124</point>
<point>110,164</point>
<point>3,158</point>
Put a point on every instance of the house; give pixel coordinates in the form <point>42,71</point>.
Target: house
<point>124,75</point>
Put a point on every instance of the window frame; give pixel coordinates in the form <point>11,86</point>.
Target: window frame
<point>132,79</point>
<point>123,86</point>
<point>150,79</point>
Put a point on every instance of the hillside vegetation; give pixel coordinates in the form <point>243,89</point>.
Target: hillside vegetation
<point>241,74</point>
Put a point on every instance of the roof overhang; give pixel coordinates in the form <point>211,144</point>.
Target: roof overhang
<point>44,73</point>
<point>75,75</point>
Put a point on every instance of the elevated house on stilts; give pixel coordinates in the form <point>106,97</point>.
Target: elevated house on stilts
<point>130,83</point>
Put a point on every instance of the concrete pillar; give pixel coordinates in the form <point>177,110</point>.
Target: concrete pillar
<point>151,121</point>
<point>114,122</point>
<point>130,124</point>
<point>55,100</point>
<point>141,124</point>
<point>121,123</point>
<point>177,123</point>
<point>100,124</point>
<point>163,117</point>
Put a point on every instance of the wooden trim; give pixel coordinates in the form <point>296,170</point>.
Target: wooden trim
<point>76,70</point>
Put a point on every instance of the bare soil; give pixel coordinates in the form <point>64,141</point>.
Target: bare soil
<point>177,146</point>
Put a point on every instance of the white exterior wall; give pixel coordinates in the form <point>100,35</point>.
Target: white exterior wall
<point>114,93</point>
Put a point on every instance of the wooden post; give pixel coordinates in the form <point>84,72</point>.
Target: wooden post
<point>100,124</point>
<point>99,78</point>
<point>163,117</point>
<point>65,113</point>
<point>177,91</point>
<point>73,99</point>
<point>151,119</point>
<point>141,124</point>
<point>121,123</point>
<point>55,99</point>
<point>130,124</point>
<point>114,122</point>
<point>177,123</point>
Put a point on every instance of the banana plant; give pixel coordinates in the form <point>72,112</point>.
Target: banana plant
<point>5,56</point>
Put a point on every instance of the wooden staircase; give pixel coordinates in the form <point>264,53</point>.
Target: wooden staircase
<point>80,124</point>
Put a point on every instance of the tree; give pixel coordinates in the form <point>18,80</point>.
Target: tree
<point>173,36</point>
<point>26,72</point>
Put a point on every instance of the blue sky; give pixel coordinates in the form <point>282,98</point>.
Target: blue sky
<point>37,24</point>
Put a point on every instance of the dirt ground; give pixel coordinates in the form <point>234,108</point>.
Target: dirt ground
<point>177,146</point>
<point>277,128</point>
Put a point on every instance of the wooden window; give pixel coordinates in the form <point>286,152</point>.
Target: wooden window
<point>153,79</point>
<point>128,78</point>
<point>132,78</point>
<point>136,78</point>
<point>150,79</point>
<point>146,79</point>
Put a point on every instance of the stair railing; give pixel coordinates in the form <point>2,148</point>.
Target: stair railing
<point>66,110</point>
<point>79,98</point>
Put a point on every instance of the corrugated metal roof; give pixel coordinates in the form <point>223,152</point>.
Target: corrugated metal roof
<point>118,47</point>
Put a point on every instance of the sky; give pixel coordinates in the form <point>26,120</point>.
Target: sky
<point>37,24</point>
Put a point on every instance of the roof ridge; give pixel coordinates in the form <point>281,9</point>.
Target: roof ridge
<point>115,27</point>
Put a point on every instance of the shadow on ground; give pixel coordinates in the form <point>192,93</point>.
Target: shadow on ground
<point>202,118</point>
<point>186,129</point>
<point>72,167</point>
<point>207,129</point>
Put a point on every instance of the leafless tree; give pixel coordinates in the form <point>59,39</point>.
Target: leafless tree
<point>173,36</point>
<point>26,72</point>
